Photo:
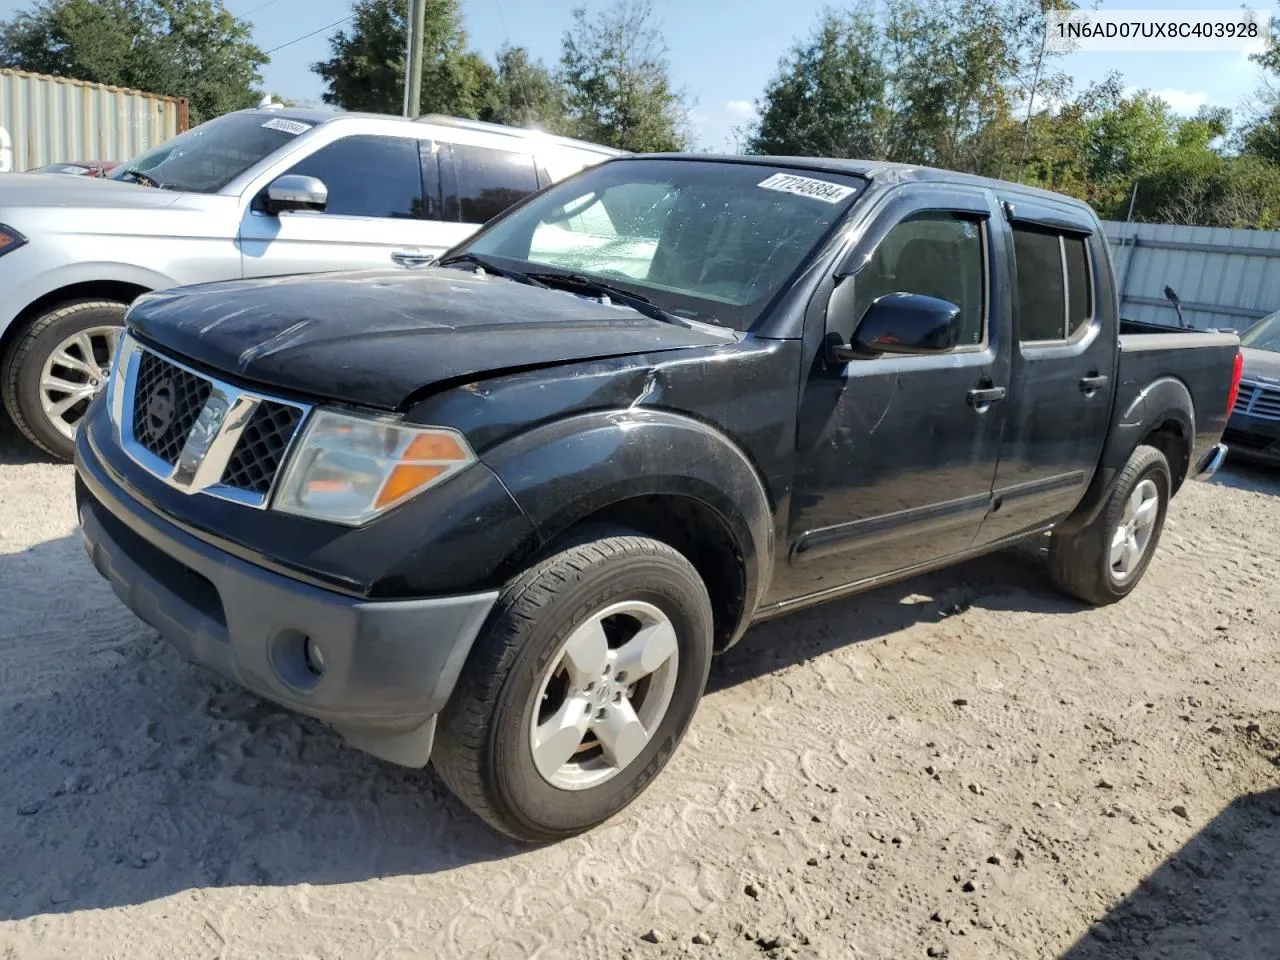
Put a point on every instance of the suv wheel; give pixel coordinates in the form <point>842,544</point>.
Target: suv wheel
<point>56,366</point>
<point>579,689</point>
<point>1103,562</point>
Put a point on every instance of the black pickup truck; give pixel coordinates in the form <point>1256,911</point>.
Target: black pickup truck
<point>498,513</point>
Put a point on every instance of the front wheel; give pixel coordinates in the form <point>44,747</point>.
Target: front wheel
<point>56,366</point>
<point>579,689</point>
<point>1103,562</point>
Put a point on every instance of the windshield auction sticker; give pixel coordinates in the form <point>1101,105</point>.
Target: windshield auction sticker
<point>286,126</point>
<point>823,190</point>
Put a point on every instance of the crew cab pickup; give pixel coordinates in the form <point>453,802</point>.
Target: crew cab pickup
<point>499,512</point>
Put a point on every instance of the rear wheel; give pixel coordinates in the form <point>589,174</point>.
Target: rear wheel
<point>56,366</point>
<point>1103,562</point>
<point>579,689</point>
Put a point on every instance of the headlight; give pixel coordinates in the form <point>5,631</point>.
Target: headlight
<point>349,469</point>
<point>10,239</point>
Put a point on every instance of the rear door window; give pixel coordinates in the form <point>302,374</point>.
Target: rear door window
<point>1054,291</point>
<point>489,181</point>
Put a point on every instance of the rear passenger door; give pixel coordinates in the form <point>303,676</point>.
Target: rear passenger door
<point>383,210</point>
<point>481,182</point>
<point>1064,363</point>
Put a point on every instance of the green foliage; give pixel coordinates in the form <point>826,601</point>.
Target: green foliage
<point>612,87</point>
<point>905,80</point>
<point>1262,138</point>
<point>185,48</point>
<point>828,97</point>
<point>366,67</point>
<point>949,84</point>
<point>617,83</point>
<point>526,94</point>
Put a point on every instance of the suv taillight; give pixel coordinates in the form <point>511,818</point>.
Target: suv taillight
<point>1236,372</point>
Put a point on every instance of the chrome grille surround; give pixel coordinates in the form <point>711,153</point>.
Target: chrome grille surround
<point>215,438</point>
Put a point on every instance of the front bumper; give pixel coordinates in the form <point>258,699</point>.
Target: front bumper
<point>388,667</point>
<point>1253,438</point>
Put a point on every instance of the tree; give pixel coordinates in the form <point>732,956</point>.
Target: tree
<point>828,96</point>
<point>526,94</point>
<point>367,64</point>
<point>907,80</point>
<point>617,84</point>
<point>1262,138</point>
<point>185,48</point>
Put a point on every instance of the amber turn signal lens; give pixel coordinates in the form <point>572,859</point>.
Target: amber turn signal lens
<point>433,446</point>
<point>405,479</point>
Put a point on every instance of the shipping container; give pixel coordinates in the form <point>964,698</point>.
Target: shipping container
<point>53,119</point>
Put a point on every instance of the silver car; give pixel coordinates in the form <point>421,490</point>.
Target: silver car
<point>250,194</point>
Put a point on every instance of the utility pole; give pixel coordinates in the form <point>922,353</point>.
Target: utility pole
<point>413,62</point>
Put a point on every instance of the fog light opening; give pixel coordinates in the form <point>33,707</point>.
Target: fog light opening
<point>313,656</point>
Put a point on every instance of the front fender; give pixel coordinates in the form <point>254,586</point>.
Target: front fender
<point>567,470</point>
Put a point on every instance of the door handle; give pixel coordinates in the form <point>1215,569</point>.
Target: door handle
<point>407,258</point>
<point>983,397</point>
<point>1092,384</point>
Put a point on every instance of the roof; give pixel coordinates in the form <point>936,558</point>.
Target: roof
<point>874,170</point>
<point>316,117</point>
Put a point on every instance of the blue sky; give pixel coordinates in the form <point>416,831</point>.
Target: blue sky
<point>722,51</point>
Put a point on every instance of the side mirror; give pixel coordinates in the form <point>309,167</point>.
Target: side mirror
<point>292,192</point>
<point>906,323</point>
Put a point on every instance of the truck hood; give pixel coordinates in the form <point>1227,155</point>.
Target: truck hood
<point>25,190</point>
<point>376,337</point>
<point>1261,364</point>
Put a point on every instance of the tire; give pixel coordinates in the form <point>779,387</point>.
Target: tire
<point>485,743</point>
<point>1081,564</point>
<point>24,366</point>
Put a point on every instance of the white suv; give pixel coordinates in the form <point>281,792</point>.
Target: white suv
<point>254,193</point>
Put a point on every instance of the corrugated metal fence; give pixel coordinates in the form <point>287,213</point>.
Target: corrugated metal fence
<point>52,119</point>
<point>1224,278</point>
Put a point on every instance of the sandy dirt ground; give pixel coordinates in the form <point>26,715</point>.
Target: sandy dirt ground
<point>964,765</point>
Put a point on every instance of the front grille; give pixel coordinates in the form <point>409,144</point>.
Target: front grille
<point>166,402</point>
<point>256,459</point>
<point>1256,400</point>
<point>1242,398</point>
<point>161,412</point>
<point>1244,440</point>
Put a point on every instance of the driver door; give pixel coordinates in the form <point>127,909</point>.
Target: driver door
<point>896,455</point>
<point>379,213</point>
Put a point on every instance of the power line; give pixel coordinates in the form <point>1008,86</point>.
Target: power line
<point>261,6</point>
<point>336,23</point>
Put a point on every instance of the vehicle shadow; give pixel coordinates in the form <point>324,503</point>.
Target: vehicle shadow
<point>1009,580</point>
<point>17,450</point>
<point>1218,896</point>
<point>1245,475</point>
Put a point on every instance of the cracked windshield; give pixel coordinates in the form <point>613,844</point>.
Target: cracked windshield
<point>706,241</point>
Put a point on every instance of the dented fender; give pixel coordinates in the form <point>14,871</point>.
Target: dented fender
<point>564,471</point>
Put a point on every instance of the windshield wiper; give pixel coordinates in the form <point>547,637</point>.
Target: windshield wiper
<point>145,179</point>
<point>589,285</point>
<point>487,265</point>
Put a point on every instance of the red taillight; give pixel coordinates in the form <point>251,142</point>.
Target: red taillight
<point>1236,372</point>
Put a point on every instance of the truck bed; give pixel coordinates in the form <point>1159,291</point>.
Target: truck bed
<point>1200,361</point>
